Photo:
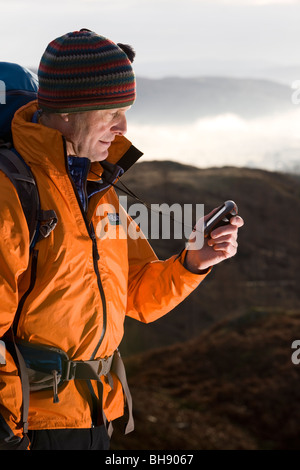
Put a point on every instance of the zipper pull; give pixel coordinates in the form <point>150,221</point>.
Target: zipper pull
<point>55,387</point>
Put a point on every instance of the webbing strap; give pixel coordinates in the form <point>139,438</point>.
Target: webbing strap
<point>24,384</point>
<point>93,370</point>
<point>118,368</point>
<point>88,370</point>
<point>19,165</point>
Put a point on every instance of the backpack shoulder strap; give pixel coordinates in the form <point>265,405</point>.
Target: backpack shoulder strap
<point>21,177</point>
<point>40,223</point>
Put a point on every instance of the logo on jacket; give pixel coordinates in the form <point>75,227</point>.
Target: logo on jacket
<point>114,219</point>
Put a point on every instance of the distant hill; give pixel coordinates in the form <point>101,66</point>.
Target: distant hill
<point>263,69</point>
<point>178,100</point>
<point>184,100</point>
<point>232,387</point>
<point>265,272</point>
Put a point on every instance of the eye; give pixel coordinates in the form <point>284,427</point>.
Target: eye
<point>114,114</point>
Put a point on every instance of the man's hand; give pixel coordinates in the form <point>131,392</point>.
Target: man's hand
<point>221,245</point>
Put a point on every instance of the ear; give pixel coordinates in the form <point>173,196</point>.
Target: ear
<point>64,117</point>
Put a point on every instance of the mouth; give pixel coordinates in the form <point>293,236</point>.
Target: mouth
<point>105,144</point>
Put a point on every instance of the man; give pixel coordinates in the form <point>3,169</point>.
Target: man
<point>76,286</point>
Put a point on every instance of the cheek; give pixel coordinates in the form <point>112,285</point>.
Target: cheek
<point>79,133</point>
<point>87,138</point>
<point>98,132</point>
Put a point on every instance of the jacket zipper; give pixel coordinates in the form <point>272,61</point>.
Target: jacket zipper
<point>96,256</point>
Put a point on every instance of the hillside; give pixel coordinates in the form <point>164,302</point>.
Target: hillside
<point>232,387</point>
<point>265,272</point>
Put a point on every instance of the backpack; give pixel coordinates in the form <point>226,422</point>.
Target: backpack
<point>18,86</point>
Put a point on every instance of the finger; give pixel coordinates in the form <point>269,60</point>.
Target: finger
<point>225,230</point>
<point>237,221</point>
<point>226,239</point>
<point>228,249</point>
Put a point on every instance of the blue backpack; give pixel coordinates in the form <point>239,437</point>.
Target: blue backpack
<point>18,86</point>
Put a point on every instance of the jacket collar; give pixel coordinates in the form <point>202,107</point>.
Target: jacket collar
<point>41,145</point>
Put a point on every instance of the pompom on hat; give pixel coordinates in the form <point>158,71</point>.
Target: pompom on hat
<point>82,71</point>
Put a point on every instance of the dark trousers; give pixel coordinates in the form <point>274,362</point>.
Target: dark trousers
<point>69,439</point>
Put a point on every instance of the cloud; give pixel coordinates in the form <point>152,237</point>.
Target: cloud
<point>271,142</point>
<point>191,31</point>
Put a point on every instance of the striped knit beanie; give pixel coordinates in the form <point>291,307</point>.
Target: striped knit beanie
<point>82,71</point>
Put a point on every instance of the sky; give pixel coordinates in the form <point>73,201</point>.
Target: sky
<point>237,38</point>
<point>168,35</point>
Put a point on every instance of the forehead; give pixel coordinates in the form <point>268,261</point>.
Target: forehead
<point>117,110</point>
<point>103,114</point>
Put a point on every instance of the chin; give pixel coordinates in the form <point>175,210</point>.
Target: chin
<point>100,157</point>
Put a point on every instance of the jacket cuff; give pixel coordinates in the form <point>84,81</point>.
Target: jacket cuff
<point>200,275</point>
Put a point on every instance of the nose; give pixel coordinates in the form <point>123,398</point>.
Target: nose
<point>120,128</point>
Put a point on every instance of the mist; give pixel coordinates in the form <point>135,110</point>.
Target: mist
<point>270,142</point>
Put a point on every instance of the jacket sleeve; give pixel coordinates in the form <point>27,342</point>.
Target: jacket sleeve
<point>14,258</point>
<point>155,287</point>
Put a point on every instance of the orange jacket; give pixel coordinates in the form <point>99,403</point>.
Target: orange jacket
<point>70,307</point>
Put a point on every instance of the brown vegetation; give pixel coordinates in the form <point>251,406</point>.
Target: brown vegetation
<point>216,373</point>
<point>232,387</point>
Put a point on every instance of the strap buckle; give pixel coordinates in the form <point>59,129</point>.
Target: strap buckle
<point>48,221</point>
<point>87,370</point>
<point>70,371</point>
<point>105,365</point>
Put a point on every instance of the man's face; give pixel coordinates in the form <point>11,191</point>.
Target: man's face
<point>90,134</point>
